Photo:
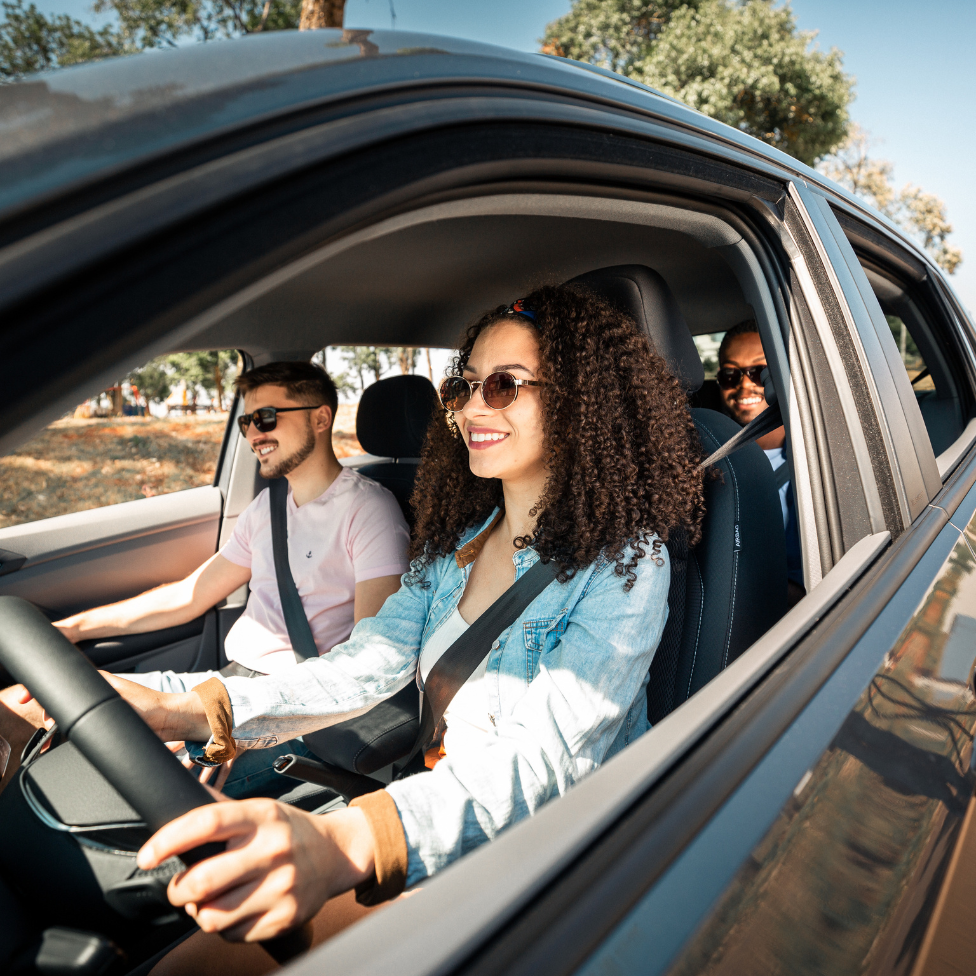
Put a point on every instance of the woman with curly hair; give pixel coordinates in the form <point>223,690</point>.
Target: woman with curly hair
<point>563,439</point>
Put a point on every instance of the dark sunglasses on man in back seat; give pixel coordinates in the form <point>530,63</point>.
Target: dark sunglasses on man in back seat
<point>729,377</point>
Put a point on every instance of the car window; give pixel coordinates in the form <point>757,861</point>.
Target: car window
<point>923,331</point>
<point>157,430</point>
<point>354,368</point>
<point>707,346</point>
<point>918,373</point>
<point>928,352</point>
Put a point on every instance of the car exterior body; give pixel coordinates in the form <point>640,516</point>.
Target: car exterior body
<point>804,811</point>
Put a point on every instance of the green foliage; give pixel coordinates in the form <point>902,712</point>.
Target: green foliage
<point>364,360</point>
<point>615,34</point>
<point>153,23</point>
<point>153,381</point>
<point>742,62</point>
<point>31,41</point>
<point>210,371</point>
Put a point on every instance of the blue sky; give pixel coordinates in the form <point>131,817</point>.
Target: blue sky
<point>916,77</point>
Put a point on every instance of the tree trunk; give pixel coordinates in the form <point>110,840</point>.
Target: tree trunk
<point>321,13</point>
<point>219,384</point>
<point>117,400</point>
<point>430,369</point>
<point>406,357</point>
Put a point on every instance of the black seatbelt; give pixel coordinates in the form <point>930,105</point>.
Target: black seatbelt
<point>460,660</point>
<point>781,475</point>
<point>449,672</point>
<point>444,680</point>
<point>299,631</point>
<point>764,424</point>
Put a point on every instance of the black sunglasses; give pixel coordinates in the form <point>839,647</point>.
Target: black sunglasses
<point>729,377</point>
<point>266,418</point>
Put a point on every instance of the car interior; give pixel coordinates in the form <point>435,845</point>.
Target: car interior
<point>415,279</point>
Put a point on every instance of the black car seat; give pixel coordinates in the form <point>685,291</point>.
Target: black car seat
<point>731,588</point>
<point>391,422</point>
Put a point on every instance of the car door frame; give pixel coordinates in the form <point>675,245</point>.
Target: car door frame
<point>710,761</point>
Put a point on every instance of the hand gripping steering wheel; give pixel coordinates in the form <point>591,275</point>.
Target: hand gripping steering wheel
<point>109,734</point>
<point>103,726</point>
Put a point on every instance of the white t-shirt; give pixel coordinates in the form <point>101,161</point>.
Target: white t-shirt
<point>354,531</point>
<point>467,714</point>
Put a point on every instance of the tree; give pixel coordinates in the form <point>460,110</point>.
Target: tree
<point>208,371</point>
<point>153,381</point>
<point>921,214</point>
<point>406,358</point>
<point>367,359</point>
<point>615,34</point>
<point>155,23</point>
<point>344,383</point>
<point>321,13</point>
<point>31,41</point>
<point>743,62</point>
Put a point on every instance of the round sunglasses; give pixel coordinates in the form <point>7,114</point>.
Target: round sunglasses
<point>265,419</point>
<point>499,390</point>
<point>729,377</point>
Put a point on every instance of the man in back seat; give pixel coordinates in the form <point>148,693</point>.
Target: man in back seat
<point>347,542</point>
<point>741,361</point>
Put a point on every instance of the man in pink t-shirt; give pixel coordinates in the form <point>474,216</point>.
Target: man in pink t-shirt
<point>347,544</point>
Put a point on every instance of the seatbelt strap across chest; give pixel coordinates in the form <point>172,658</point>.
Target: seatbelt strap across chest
<point>299,631</point>
<point>765,423</point>
<point>462,658</point>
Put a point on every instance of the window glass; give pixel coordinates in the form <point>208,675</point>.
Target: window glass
<point>924,344</point>
<point>915,366</point>
<point>353,368</point>
<point>157,430</point>
<point>707,346</point>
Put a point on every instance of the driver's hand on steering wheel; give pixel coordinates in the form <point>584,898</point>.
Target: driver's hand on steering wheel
<point>171,716</point>
<point>32,713</point>
<point>279,867</point>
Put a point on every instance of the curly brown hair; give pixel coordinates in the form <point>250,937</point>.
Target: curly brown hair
<point>621,448</point>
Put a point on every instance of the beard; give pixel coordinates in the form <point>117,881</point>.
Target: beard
<point>288,464</point>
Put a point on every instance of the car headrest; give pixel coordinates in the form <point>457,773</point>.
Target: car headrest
<point>394,415</point>
<point>645,296</point>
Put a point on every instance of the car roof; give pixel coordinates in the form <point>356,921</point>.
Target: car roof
<point>65,126</point>
<point>61,130</point>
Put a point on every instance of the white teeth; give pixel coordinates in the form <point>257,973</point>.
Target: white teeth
<point>266,450</point>
<point>479,438</point>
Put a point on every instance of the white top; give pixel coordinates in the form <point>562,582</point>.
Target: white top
<point>467,715</point>
<point>354,531</point>
<point>777,457</point>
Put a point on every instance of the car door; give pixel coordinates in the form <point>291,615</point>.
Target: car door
<point>808,828</point>
<point>94,553</point>
<point>869,781</point>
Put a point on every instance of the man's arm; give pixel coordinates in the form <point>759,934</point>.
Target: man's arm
<point>166,606</point>
<point>371,595</point>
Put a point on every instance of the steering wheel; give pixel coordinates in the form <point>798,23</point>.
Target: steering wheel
<point>102,725</point>
<point>110,735</point>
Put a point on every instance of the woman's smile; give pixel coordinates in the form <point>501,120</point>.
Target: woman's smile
<point>481,438</point>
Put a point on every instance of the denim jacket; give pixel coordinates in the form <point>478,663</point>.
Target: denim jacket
<point>566,688</point>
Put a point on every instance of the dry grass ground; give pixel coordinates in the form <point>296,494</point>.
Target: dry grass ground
<point>75,465</point>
